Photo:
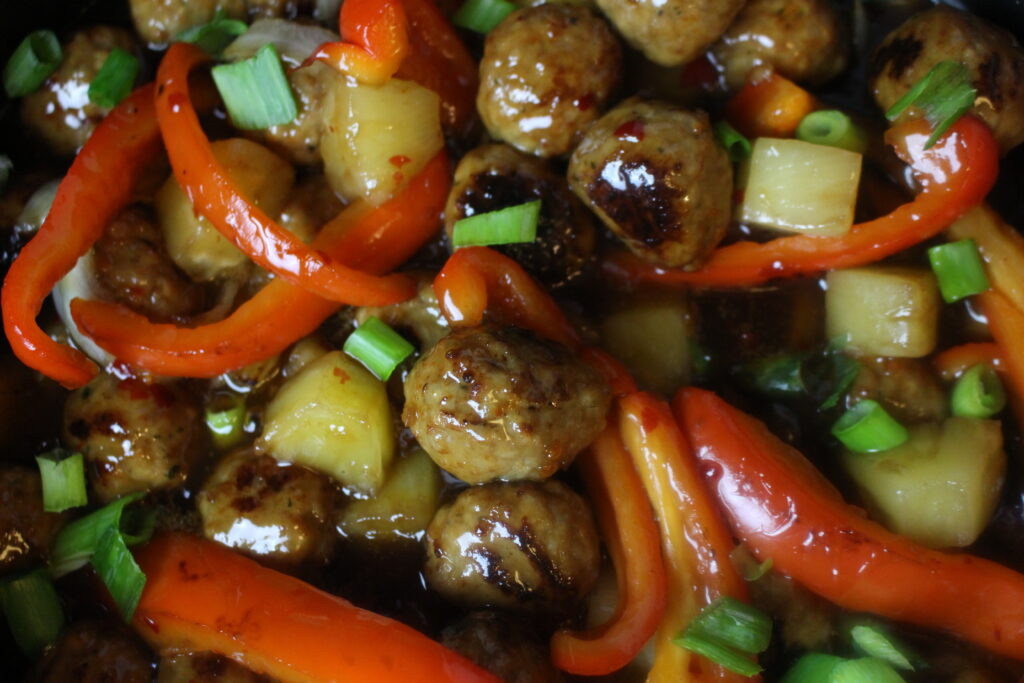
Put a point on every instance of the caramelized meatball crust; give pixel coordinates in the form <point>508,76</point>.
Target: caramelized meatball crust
<point>26,530</point>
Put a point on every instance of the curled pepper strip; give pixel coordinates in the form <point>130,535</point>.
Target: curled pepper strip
<point>98,185</point>
<point>782,508</point>
<point>374,239</point>
<point>374,41</point>
<point>218,198</point>
<point>957,174</point>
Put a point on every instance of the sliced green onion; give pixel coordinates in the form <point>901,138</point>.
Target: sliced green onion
<point>214,36</point>
<point>510,225</point>
<point>378,347</point>
<point>63,476</point>
<point>117,568</point>
<point>115,79</point>
<point>255,91</point>
<point>226,420</point>
<point>482,15</point>
<point>719,654</point>
<point>6,166</point>
<point>733,624</point>
<point>959,270</point>
<point>816,667</point>
<point>943,95</point>
<point>735,143</point>
<point>866,670</point>
<point>874,642</point>
<point>757,571</point>
<point>778,375</point>
<point>33,610</point>
<point>33,61</point>
<point>76,543</point>
<point>137,525</point>
<point>832,128</point>
<point>867,428</point>
<point>978,393</point>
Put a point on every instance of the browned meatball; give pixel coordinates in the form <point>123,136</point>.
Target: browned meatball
<point>157,21</point>
<point>655,175</point>
<point>670,32</point>
<point>992,56</point>
<point>277,513</point>
<point>907,387</point>
<point>526,545</point>
<point>134,436</point>
<point>102,651</point>
<point>204,667</point>
<point>546,74</point>
<point>804,40</point>
<point>25,529</point>
<point>493,177</point>
<point>503,645</point>
<point>500,403</point>
<point>60,112</point>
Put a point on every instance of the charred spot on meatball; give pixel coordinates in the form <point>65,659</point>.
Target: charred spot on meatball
<point>505,645</point>
<point>97,651</point>
<point>26,530</point>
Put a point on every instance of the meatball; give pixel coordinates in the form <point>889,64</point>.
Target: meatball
<point>101,651</point>
<point>500,403</point>
<point>655,175</point>
<point>804,40</point>
<point>907,387</point>
<point>26,530</point>
<point>420,315</point>
<point>134,436</point>
<point>670,32</point>
<point>277,513</point>
<point>506,647</point>
<point>158,21</point>
<point>546,74</point>
<point>204,667</point>
<point>60,111</point>
<point>493,177</point>
<point>992,56</point>
<point>525,545</point>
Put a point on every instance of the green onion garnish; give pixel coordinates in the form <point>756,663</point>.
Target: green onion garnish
<point>719,654</point>
<point>866,670</point>
<point>943,95</point>
<point>816,667</point>
<point>978,393</point>
<point>959,270</point>
<point>33,61</point>
<point>76,543</point>
<point>6,166</point>
<point>756,572</point>
<point>63,476</point>
<point>727,632</point>
<point>226,420</point>
<point>778,375</point>
<point>832,128</point>
<point>255,91</point>
<point>378,347</point>
<point>874,642</point>
<point>117,568</point>
<point>33,610</point>
<point>115,79</point>
<point>482,15</point>
<point>214,36</point>
<point>510,225</point>
<point>735,143</point>
<point>867,428</point>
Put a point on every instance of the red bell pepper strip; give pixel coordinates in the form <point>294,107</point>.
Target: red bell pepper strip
<point>957,173</point>
<point>954,361</point>
<point>218,198</point>
<point>374,41</point>
<point>200,596</point>
<point>631,537</point>
<point>375,239</point>
<point>782,508</point>
<point>97,186</point>
<point>696,541</point>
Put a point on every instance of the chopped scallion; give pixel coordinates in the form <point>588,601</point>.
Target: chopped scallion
<point>757,571</point>
<point>6,166</point>
<point>719,654</point>
<point>115,79</point>
<point>978,393</point>
<point>256,91</point>
<point>735,143</point>
<point>816,667</point>
<point>214,36</point>
<point>832,128</point>
<point>482,15</point>
<point>866,670</point>
<point>76,543</point>
<point>867,428</point>
<point>33,610</point>
<point>117,568</point>
<point>63,476</point>
<point>734,624</point>
<point>778,375</point>
<point>226,419</point>
<point>510,225</point>
<point>874,642</point>
<point>944,94</point>
<point>378,347</point>
<point>31,64</point>
<point>959,270</point>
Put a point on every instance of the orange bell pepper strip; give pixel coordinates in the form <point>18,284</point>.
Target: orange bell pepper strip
<point>200,596</point>
<point>631,537</point>
<point>769,105</point>
<point>217,197</point>
<point>97,186</point>
<point>1006,322</point>
<point>953,362</point>
<point>696,541</point>
<point>782,508</point>
<point>956,173</point>
<point>374,41</point>
<point>375,239</point>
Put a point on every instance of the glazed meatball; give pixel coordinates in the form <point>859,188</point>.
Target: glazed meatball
<point>26,530</point>
<point>420,315</point>
<point>158,21</point>
<point>500,403</point>
<point>524,545</point>
<point>670,32</point>
<point>804,40</point>
<point>493,177</point>
<point>992,56</point>
<point>134,436</point>
<point>204,667</point>
<point>60,111</point>
<point>279,514</point>
<point>907,387</point>
<point>503,645</point>
<point>546,74</point>
<point>100,651</point>
<point>655,175</point>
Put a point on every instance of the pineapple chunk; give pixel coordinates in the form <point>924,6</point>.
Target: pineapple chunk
<point>377,137</point>
<point>333,417</point>
<point>653,341</point>
<point>192,242</point>
<point>796,186</point>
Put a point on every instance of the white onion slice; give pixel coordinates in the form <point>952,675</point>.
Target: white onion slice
<point>80,283</point>
<point>295,42</point>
